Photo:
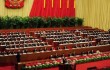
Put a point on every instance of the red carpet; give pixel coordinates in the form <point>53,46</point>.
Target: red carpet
<point>7,68</point>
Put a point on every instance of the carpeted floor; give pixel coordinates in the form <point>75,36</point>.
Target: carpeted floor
<point>7,68</point>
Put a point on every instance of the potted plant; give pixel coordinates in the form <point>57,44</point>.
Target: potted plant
<point>17,22</point>
<point>7,22</point>
<point>26,21</point>
<point>59,22</point>
<point>72,21</point>
<point>54,22</point>
<point>1,22</point>
<point>41,22</point>
<point>48,22</point>
<point>79,22</point>
<point>66,22</point>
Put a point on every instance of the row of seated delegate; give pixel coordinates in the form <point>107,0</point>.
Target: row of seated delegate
<point>15,40</point>
<point>41,49</point>
<point>21,39</point>
<point>25,43</point>
<point>95,33</point>
<point>10,52</point>
<point>65,37</point>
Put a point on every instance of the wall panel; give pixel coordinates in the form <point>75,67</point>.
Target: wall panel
<point>96,13</point>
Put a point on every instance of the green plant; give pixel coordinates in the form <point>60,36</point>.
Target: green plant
<point>79,21</point>
<point>59,22</point>
<point>37,22</point>
<point>48,22</point>
<point>66,22</point>
<point>1,22</point>
<point>92,59</point>
<point>26,22</point>
<point>54,22</point>
<point>106,69</point>
<point>72,21</point>
<point>41,22</point>
<point>7,22</point>
<point>17,22</point>
<point>39,66</point>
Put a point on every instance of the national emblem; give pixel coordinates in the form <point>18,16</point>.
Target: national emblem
<point>14,3</point>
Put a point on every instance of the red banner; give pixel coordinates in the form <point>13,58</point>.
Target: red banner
<point>14,3</point>
<point>53,8</point>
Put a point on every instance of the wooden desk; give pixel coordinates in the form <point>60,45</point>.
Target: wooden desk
<point>46,55</point>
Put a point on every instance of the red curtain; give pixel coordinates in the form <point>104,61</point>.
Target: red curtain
<point>38,8</point>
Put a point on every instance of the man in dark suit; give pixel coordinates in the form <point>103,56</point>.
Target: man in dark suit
<point>64,60</point>
<point>18,57</point>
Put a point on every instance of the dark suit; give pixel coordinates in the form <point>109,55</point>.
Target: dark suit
<point>18,57</point>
